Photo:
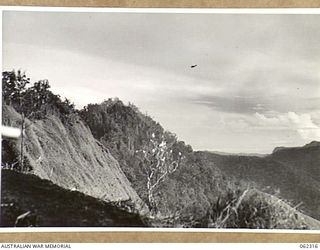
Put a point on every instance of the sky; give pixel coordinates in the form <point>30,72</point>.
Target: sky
<point>256,85</point>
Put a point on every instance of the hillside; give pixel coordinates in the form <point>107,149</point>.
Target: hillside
<point>124,131</point>
<point>271,176</point>
<point>306,159</point>
<point>66,153</point>
<point>54,206</point>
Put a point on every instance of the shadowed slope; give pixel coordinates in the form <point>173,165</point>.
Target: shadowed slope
<point>57,207</point>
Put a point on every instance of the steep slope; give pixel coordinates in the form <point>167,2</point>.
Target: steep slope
<point>67,154</point>
<point>271,176</point>
<point>54,206</point>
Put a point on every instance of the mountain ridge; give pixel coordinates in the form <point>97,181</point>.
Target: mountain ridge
<point>310,144</point>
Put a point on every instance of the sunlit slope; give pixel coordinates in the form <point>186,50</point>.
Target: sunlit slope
<point>66,153</point>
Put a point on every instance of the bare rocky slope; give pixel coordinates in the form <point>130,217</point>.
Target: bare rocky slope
<point>67,154</point>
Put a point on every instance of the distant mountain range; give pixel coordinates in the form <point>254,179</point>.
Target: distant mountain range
<point>311,144</point>
<point>239,154</point>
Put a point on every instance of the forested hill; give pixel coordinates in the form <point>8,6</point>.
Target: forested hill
<point>125,130</point>
<point>305,159</point>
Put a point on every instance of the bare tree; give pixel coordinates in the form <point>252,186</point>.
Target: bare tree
<point>159,161</point>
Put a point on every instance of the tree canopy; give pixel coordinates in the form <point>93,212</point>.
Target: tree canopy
<point>35,101</point>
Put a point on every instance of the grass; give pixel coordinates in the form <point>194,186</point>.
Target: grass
<point>247,208</point>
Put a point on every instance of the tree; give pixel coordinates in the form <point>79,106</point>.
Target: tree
<point>38,94</point>
<point>21,83</point>
<point>8,87</point>
<point>14,88</point>
<point>159,160</point>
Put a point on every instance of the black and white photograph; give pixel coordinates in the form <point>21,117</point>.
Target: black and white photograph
<point>160,119</point>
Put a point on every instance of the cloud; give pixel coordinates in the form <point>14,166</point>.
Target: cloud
<point>246,69</point>
<point>240,100</point>
<point>306,127</point>
<point>303,124</point>
<point>231,104</point>
<point>257,74</point>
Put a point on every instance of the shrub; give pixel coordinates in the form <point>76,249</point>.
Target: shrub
<point>253,209</point>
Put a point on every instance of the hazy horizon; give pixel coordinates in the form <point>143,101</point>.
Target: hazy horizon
<point>255,86</point>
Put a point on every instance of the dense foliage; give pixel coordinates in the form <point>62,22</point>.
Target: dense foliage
<point>35,101</point>
<point>124,131</point>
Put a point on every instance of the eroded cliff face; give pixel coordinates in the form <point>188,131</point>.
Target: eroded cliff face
<point>67,154</point>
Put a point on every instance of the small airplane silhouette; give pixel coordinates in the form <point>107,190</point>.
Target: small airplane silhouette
<point>193,66</point>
